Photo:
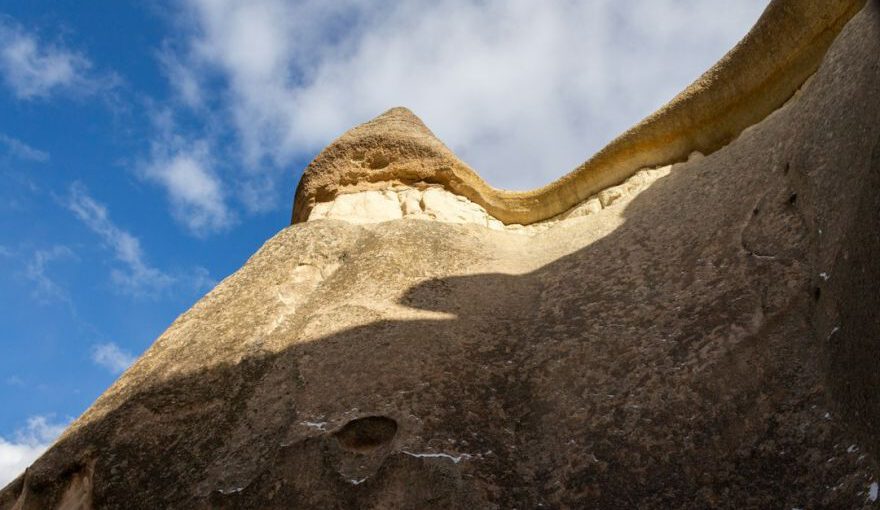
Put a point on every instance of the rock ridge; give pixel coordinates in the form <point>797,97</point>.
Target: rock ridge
<point>433,202</point>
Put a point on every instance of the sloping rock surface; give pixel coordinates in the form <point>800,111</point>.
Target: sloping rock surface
<point>710,342</point>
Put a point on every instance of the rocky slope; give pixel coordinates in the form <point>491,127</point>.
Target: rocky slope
<point>705,336</point>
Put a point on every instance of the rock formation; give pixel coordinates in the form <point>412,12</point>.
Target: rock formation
<point>784,47</point>
<point>681,331</point>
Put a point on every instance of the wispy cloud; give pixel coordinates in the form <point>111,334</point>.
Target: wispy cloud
<point>46,289</point>
<point>184,168</point>
<point>112,357</point>
<point>30,442</point>
<point>20,150</point>
<point>136,276</point>
<point>200,280</point>
<point>194,191</point>
<point>186,80</point>
<point>522,90</point>
<point>32,68</point>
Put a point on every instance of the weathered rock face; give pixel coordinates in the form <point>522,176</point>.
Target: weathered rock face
<point>433,202</point>
<point>705,338</point>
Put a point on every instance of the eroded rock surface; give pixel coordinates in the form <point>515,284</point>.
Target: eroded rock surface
<point>433,202</point>
<point>707,338</point>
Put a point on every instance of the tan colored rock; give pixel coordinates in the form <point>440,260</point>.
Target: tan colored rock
<point>609,195</point>
<point>589,206</point>
<point>708,340</point>
<point>437,204</point>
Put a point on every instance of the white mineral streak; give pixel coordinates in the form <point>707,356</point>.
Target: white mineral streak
<point>454,458</point>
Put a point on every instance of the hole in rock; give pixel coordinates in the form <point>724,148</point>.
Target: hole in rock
<point>792,199</point>
<point>366,434</point>
<point>817,293</point>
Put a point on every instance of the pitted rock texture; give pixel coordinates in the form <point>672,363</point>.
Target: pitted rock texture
<point>709,342</point>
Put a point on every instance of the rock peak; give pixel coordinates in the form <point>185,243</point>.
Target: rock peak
<point>397,122</point>
<point>400,114</point>
<point>394,148</point>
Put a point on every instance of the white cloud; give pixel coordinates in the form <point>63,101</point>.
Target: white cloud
<point>18,453</point>
<point>200,280</point>
<point>32,68</point>
<point>46,289</point>
<point>136,277</point>
<point>111,357</point>
<point>522,90</point>
<point>23,151</point>
<point>184,169</point>
<point>186,80</point>
<point>194,191</point>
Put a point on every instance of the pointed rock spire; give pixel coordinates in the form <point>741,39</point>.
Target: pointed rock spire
<point>393,148</point>
<point>398,120</point>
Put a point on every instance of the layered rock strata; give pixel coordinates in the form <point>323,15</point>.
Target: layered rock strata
<point>706,338</point>
<point>756,77</point>
<point>433,202</point>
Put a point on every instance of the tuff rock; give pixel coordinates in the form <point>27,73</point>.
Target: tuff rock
<point>697,334</point>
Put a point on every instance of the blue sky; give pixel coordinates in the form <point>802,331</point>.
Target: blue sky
<point>148,149</point>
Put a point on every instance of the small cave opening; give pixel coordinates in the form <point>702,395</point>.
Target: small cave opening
<point>366,434</point>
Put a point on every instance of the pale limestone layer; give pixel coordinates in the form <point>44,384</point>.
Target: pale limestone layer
<point>435,203</point>
<point>429,203</point>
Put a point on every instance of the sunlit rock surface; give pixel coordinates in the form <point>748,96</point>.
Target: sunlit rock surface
<point>704,335</point>
<point>433,202</point>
